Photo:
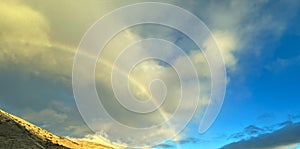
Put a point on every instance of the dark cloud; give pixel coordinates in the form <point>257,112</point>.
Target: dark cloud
<point>44,102</point>
<point>284,136</point>
<point>248,132</point>
<point>164,145</point>
<point>278,126</point>
<point>172,144</point>
<point>238,135</point>
<point>253,130</point>
<point>285,123</point>
<point>188,140</point>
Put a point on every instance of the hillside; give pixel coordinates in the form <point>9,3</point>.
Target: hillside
<point>17,133</point>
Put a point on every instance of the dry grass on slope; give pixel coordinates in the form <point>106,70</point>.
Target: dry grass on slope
<point>18,133</point>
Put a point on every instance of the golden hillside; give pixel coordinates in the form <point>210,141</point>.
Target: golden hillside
<point>17,133</point>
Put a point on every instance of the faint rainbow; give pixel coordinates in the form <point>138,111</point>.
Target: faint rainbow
<point>72,50</point>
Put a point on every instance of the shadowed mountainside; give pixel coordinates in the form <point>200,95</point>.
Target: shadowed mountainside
<point>17,133</point>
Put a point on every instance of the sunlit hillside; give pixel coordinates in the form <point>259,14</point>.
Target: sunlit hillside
<point>18,133</point>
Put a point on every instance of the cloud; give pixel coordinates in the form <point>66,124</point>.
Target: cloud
<point>249,131</point>
<point>26,46</point>
<point>189,140</point>
<point>99,140</point>
<point>39,40</point>
<point>285,123</point>
<point>286,136</point>
<point>254,131</point>
<point>291,146</point>
<point>164,145</point>
<point>37,64</point>
<point>23,25</point>
<point>46,117</point>
<point>69,20</point>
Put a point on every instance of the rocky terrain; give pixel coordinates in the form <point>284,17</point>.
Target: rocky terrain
<point>16,133</point>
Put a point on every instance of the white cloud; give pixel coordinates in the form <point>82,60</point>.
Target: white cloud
<point>40,40</point>
<point>31,44</point>
<point>24,25</point>
<point>228,45</point>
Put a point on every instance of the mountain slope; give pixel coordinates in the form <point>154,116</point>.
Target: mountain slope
<point>17,133</point>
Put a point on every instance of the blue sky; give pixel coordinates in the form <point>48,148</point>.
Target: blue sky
<point>259,41</point>
<point>264,92</point>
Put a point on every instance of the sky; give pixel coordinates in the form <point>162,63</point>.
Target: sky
<point>259,42</point>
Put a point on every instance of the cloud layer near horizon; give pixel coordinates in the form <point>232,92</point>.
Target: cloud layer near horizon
<point>286,137</point>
